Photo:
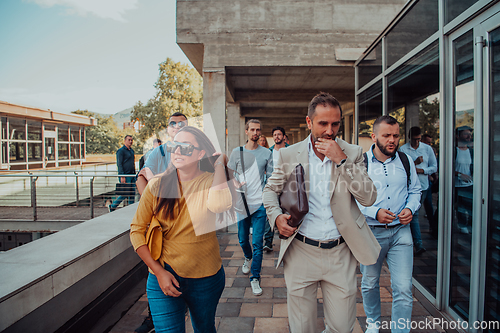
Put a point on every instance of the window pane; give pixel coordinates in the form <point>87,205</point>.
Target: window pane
<point>82,149</point>
<point>461,238</point>
<point>63,132</point>
<point>4,128</point>
<point>370,66</point>
<point>370,108</point>
<point>34,152</point>
<point>17,152</point>
<point>453,8</point>
<point>75,151</point>
<point>82,134</point>
<point>63,151</point>
<point>17,128</point>
<point>75,134</point>
<point>49,126</point>
<point>34,130</point>
<point>4,152</point>
<point>415,27</point>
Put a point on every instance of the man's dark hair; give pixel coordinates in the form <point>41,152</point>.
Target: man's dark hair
<point>414,131</point>
<point>426,136</point>
<point>324,99</point>
<point>278,128</point>
<point>178,114</point>
<point>126,136</point>
<point>253,121</point>
<point>384,119</point>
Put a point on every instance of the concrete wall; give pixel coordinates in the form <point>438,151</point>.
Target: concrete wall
<point>46,283</point>
<point>280,32</point>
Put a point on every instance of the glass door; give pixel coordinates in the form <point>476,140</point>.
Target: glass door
<point>492,178</point>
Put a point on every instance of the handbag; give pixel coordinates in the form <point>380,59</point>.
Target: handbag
<point>154,238</point>
<point>293,200</point>
<point>125,189</point>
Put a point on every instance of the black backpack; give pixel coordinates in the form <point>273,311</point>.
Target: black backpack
<point>404,160</point>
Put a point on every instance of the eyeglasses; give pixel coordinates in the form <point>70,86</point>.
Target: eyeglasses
<point>186,149</point>
<point>179,124</point>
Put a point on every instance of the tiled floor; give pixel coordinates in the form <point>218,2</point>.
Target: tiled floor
<point>240,311</point>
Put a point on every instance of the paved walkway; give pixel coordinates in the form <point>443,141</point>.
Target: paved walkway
<point>240,311</point>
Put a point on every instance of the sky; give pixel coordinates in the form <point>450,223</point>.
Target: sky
<point>99,55</point>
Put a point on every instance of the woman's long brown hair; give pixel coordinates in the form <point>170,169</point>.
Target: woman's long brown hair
<point>170,197</point>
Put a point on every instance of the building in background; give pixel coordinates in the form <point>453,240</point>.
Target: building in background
<point>437,66</point>
<point>33,138</point>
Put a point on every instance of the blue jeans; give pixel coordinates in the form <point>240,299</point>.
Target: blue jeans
<point>268,235</point>
<point>258,221</point>
<point>415,225</point>
<point>200,295</point>
<point>118,201</point>
<point>397,249</point>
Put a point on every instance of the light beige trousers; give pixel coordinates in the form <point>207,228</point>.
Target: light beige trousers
<point>334,270</point>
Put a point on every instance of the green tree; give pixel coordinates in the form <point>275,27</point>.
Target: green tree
<point>429,120</point>
<point>179,88</point>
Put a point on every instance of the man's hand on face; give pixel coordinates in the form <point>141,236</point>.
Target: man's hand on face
<point>331,149</point>
<point>282,225</point>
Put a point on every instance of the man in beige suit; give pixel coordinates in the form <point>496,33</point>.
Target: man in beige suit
<point>334,233</point>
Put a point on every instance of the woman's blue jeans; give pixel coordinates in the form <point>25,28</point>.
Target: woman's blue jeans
<point>200,295</point>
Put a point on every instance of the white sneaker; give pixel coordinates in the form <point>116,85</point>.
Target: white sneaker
<point>256,289</point>
<point>246,266</point>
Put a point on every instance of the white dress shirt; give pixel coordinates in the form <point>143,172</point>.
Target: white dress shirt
<point>318,223</point>
<point>429,164</point>
<point>393,193</point>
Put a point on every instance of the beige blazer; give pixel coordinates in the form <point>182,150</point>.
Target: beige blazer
<point>350,182</point>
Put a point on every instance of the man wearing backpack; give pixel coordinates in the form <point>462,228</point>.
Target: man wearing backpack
<point>398,198</point>
<point>159,158</point>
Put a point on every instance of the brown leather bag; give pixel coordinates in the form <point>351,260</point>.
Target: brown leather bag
<point>293,200</point>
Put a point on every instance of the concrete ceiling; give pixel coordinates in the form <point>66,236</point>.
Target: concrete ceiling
<point>279,96</point>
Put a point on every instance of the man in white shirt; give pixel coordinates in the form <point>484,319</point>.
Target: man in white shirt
<point>324,249</point>
<point>426,164</point>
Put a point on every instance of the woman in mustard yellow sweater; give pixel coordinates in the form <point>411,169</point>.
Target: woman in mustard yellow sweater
<point>186,270</point>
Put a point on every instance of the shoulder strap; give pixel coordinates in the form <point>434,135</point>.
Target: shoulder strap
<point>406,164</point>
<point>243,194</point>
<point>162,151</point>
<point>365,159</point>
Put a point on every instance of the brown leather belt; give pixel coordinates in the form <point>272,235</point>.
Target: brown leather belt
<point>322,245</point>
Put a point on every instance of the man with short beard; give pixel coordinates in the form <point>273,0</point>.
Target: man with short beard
<point>398,198</point>
<point>324,249</point>
<point>252,171</point>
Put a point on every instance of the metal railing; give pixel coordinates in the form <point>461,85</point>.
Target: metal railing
<point>56,189</point>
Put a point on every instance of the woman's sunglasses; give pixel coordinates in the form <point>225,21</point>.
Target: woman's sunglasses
<point>185,149</point>
<point>180,124</point>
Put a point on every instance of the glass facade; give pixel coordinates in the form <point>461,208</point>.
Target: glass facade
<point>463,129</point>
<point>27,143</point>
<point>371,66</point>
<point>415,27</point>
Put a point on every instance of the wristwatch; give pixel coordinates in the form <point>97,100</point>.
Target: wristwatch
<point>341,162</point>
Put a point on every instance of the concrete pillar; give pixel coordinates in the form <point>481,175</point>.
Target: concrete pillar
<point>233,126</point>
<point>214,101</point>
<point>243,136</point>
